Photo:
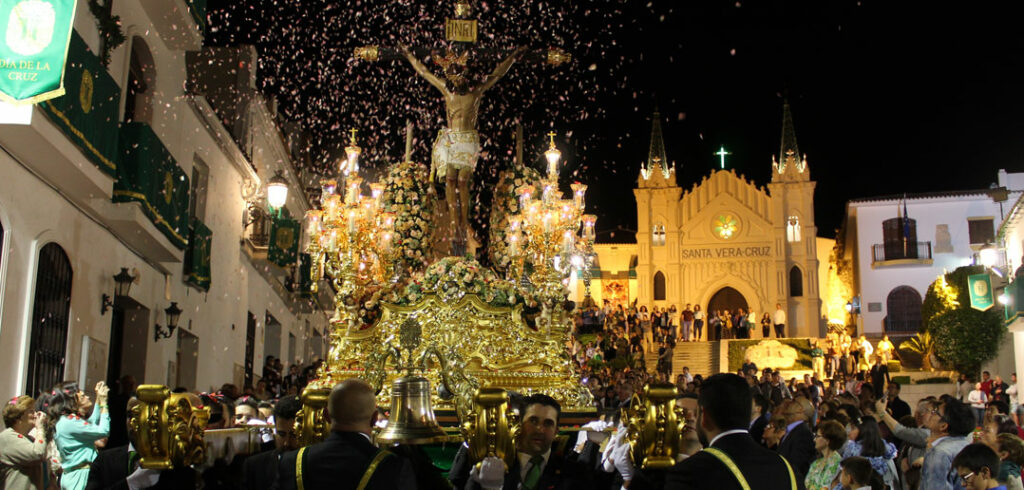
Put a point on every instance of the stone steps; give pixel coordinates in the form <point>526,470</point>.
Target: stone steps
<point>701,357</point>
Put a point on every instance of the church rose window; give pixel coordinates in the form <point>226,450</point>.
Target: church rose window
<point>725,226</point>
<point>50,315</point>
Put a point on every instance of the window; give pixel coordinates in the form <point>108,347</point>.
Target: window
<point>138,103</point>
<point>796,282</point>
<point>658,236</point>
<point>197,196</point>
<point>51,310</point>
<point>903,307</point>
<point>981,231</point>
<point>659,286</point>
<point>793,229</point>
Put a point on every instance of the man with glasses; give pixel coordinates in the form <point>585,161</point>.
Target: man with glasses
<point>915,438</point>
<point>950,424</point>
<point>261,469</point>
<point>976,467</point>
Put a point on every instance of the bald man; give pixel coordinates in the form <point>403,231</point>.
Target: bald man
<point>347,457</point>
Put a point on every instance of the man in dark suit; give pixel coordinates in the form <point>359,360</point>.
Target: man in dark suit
<point>896,406</point>
<point>537,466</point>
<point>347,457</point>
<point>879,377</point>
<point>724,415</point>
<point>260,470</point>
<point>118,469</point>
<point>758,416</point>
<point>797,446</point>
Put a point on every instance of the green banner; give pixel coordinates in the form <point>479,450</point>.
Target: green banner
<point>34,38</point>
<point>284,242</point>
<point>197,255</point>
<point>88,111</point>
<point>149,174</point>
<point>980,287</point>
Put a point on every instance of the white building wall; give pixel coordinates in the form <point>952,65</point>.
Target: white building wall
<point>877,282</point>
<point>34,213</point>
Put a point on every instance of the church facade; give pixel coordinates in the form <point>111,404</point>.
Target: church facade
<point>726,243</point>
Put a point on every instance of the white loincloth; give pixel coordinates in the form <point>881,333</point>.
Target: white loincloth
<point>457,150</point>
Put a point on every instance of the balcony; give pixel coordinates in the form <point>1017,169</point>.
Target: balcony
<point>901,253</point>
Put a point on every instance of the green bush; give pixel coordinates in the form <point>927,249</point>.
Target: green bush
<point>738,350</point>
<point>895,366</point>
<point>963,337</point>
<point>902,380</point>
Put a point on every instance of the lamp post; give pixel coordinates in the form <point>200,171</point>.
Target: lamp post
<point>122,284</point>
<point>277,192</point>
<point>173,313</point>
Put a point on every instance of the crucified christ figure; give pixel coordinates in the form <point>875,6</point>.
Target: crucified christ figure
<point>457,146</point>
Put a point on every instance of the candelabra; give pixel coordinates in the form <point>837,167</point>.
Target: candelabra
<point>351,242</point>
<point>553,235</point>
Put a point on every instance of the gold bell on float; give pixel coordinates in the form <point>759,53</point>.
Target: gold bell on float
<point>412,417</point>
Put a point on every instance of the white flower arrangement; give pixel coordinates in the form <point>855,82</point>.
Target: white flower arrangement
<point>505,204</point>
<point>407,194</point>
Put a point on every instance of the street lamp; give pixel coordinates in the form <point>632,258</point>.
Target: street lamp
<point>277,191</point>
<point>553,156</point>
<point>988,255</point>
<point>173,313</point>
<point>122,284</point>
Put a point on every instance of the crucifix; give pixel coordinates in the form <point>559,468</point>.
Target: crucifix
<point>457,147</point>
<point>722,153</point>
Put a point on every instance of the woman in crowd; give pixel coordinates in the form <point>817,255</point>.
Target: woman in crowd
<point>76,437</point>
<point>1010,449</point>
<point>866,441</point>
<point>644,318</point>
<point>672,322</point>
<point>977,399</point>
<point>22,458</point>
<point>726,320</point>
<point>698,322</point>
<point>830,437</point>
<point>766,325</point>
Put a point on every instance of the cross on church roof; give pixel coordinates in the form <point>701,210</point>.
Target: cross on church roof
<point>722,153</point>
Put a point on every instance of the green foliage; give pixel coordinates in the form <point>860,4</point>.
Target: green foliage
<point>738,351</point>
<point>923,346</point>
<point>967,338</point>
<point>895,366</point>
<point>109,26</point>
<point>961,335</point>
<point>902,380</point>
<point>595,363</point>
<point>621,362</point>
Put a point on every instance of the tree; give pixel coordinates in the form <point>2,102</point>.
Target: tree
<point>962,336</point>
<point>922,345</point>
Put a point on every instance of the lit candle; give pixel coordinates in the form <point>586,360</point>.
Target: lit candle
<point>547,222</point>
<point>525,194</point>
<point>513,244</point>
<point>352,222</point>
<point>385,241</point>
<point>578,191</point>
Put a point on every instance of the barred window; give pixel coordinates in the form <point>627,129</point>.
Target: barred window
<point>51,310</point>
<point>903,310</point>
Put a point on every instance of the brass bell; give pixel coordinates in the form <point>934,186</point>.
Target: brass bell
<point>412,417</point>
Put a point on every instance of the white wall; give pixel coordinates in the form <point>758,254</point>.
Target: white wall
<point>34,214</point>
<point>876,283</point>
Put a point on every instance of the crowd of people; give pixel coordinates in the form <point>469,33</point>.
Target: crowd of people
<point>844,426</point>
<point>690,324</point>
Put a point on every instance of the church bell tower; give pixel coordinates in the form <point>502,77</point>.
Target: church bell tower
<point>796,256</point>
<point>657,197</point>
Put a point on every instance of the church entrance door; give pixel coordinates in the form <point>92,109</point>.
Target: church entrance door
<point>727,299</point>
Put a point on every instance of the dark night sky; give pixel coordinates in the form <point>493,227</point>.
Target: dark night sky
<point>887,96</point>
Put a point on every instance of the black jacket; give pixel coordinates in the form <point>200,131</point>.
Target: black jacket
<point>898,408</point>
<point>109,471</point>
<point>339,463</point>
<point>757,429</point>
<point>762,468</point>
<point>559,474</point>
<point>260,470</point>
<point>798,448</point>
